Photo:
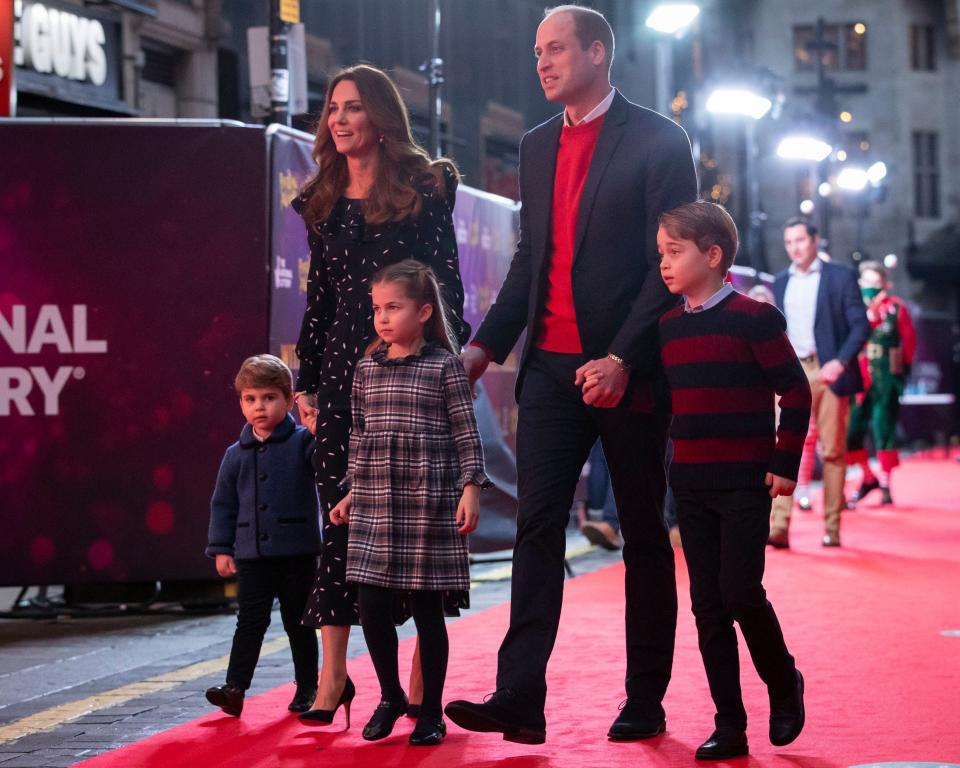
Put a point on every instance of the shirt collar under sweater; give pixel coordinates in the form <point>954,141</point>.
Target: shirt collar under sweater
<point>593,114</point>
<point>719,296</point>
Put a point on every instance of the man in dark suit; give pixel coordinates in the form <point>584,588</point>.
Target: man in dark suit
<point>827,325</point>
<point>584,283</point>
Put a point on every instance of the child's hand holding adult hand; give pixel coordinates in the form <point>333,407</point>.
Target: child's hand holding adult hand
<point>603,382</point>
<point>779,486</point>
<point>226,566</point>
<point>340,514</point>
<point>468,510</point>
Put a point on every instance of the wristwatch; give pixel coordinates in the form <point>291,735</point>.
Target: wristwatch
<point>619,361</point>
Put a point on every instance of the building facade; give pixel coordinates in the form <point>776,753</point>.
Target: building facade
<point>895,70</point>
<point>123,58</point>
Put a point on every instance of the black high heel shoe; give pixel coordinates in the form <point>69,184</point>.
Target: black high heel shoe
<point>325,716</point>
<point>384,718</point>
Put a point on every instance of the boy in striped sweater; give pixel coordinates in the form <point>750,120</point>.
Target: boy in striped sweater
<point>726,356</point>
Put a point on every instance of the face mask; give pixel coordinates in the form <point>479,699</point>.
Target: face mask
<point>869,294</point>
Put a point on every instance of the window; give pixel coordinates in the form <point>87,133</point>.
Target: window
<point>844,46</point>
<point>926,175</point>
<point>923,51</point>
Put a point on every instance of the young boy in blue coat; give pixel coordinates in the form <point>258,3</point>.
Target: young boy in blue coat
<point>265,530</point>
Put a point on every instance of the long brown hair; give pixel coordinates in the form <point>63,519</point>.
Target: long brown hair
<point>405,169</point>
<point>420,284</point>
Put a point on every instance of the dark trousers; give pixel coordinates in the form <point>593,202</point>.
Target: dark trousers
<point>380,633</point>
<point>724,540</point>
<point>258,581</point>
<point>554,435</point>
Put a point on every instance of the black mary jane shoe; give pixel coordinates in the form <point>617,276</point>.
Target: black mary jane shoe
<point>303,699</point>
<point>428,733</point>
<point>325,716</point>
<point>384,718</point>
<point>723,744</point>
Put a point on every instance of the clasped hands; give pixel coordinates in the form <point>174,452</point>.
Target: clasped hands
<point>603,382</point>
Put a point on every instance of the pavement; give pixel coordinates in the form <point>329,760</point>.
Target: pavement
<point>72,688</point>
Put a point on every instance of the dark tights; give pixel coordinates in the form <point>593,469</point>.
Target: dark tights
<point>376,618</point>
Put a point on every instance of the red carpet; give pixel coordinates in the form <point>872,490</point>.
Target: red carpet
<point>865,623</point>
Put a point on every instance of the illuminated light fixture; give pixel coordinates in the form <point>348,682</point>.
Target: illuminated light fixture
<point>842,155</point>
<point>806,207</point>
<point>672,18</point>
<point>890,261</point>
<point>876,173</point>
<point>846,117</point>
<point>803,148</point>
<point>860,28</point>
<point>738,101</point>
<point>824,189</point>
<point>852,179</point>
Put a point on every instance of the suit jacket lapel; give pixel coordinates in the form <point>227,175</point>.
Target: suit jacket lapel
<point>546,167</point>
<point>822,292</point>
<point>607,141</point>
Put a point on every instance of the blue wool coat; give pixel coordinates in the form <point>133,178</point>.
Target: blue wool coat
<point>265,502</point>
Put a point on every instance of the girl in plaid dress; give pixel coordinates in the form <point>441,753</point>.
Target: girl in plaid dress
<point>416,470</point>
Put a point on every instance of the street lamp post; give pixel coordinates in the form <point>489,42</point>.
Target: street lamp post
<point>670,20</point>
<point>744,102</point>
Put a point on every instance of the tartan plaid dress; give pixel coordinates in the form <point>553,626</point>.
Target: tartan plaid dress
<point>414,445</point>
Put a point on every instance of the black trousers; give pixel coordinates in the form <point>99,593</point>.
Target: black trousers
<point>555,432</point>
<point>724,540</point>
<point>258,581</point>
<point>380,633</point>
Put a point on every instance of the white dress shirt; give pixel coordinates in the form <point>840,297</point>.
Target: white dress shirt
<point>800,307</point>
<point>593,114</point>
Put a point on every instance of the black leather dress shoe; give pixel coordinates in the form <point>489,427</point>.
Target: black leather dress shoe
<point>787,715</point>
<point>385,716</point>
<point>302,700</point>
<point>637,720</point>
<point>723,744</point>
<point>428,733</point>
<point>228,697</point>
<point>501,713</point>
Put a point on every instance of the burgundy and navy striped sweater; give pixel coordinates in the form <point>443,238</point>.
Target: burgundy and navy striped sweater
<point>724,365</point>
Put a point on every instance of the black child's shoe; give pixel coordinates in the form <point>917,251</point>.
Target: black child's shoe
<point>787,715</point>
<point>303,699</point>
<point>428,733</point>
<point>228,697</point>
<point>384,718</point>
<point>723,744</point>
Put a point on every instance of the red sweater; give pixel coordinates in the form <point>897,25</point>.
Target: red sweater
<point>724,365</point>
<point>558,330</point>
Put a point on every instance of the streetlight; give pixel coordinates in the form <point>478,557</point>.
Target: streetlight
<point>803,147</point>
<point>865,183</point>
<point>671,20</point>
<point>738,101</point>
<point>742,101</point>
<point>852,179</point>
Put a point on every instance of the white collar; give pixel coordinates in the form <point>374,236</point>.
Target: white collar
<point>815,266</point>
<point>593,114</point>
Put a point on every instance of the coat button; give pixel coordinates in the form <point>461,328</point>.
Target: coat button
<point>262,507</point>
<point>263,475</point>
<point>262,449</point>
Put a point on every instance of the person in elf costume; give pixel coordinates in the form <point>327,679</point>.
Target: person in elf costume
<point>885,364</point>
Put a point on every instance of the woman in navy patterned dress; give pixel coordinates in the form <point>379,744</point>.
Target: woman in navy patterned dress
<point>376,199</point>
<point>416,470</point>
